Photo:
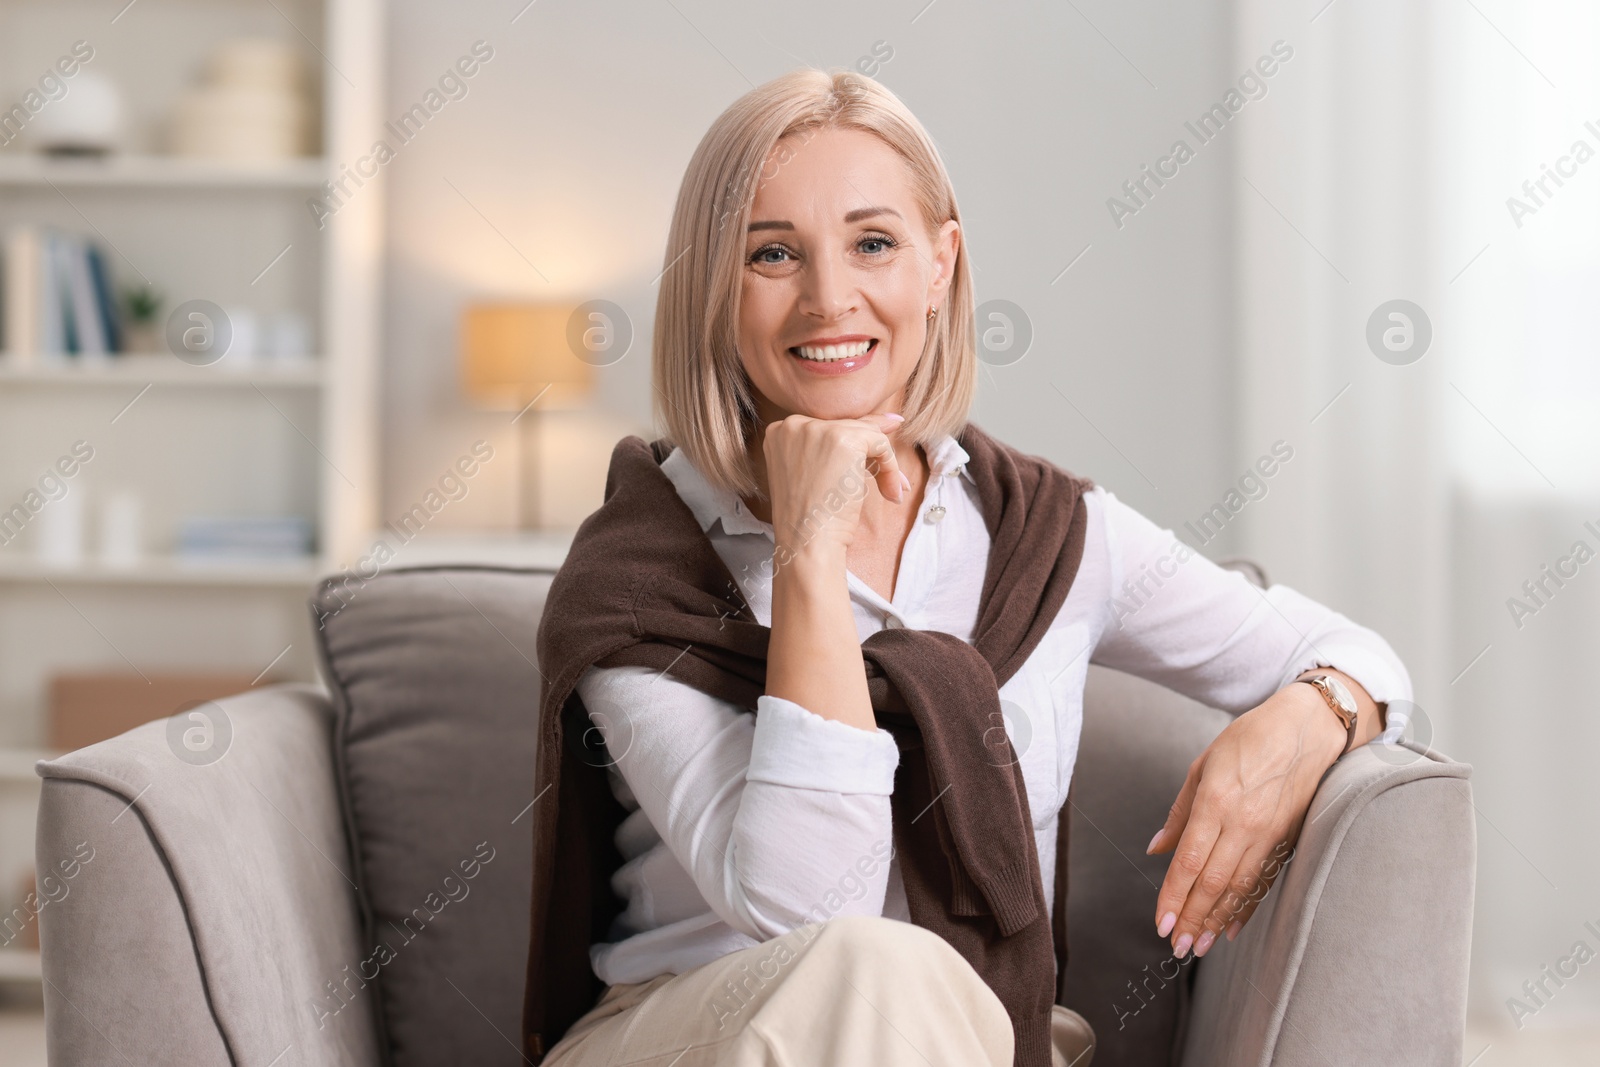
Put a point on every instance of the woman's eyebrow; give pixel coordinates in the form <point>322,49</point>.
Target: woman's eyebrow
<point>868,212</point>
<point>852,216</point>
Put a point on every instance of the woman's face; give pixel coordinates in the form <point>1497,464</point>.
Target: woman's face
<point>840,271</point>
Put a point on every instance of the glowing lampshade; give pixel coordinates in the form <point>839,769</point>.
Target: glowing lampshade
<point>512,353</point>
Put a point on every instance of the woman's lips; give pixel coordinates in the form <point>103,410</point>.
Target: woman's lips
<point>838,366</point>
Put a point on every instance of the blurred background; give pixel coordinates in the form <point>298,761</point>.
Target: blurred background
<point>294,286</point>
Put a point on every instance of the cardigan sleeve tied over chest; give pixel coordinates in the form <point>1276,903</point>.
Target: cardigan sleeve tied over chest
<point>643,586</point>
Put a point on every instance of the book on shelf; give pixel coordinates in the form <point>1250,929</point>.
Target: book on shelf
<point>263,538</point>
<point>56,298</point>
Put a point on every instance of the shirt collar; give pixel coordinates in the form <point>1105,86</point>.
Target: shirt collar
<point>710,504</point>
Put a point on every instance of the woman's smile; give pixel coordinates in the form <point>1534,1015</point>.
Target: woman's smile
<point>831,356</point>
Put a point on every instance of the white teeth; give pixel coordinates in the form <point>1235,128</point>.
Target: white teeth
<point>832,353</point>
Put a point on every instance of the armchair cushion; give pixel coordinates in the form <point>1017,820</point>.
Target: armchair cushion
<point>432,673</point>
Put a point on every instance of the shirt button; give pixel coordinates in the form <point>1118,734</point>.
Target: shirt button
<point>892,623</point>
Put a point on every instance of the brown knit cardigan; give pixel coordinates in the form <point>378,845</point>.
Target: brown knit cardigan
<point>642,585</point>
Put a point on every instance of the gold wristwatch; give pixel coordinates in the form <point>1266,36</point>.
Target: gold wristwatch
<point>1340,700</point>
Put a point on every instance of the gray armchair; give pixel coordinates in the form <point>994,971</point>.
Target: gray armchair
<point>295,876</point>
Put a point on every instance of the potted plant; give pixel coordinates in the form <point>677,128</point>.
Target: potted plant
<point>142,308</point>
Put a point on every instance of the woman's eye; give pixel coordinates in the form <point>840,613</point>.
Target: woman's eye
<point>774,255</point>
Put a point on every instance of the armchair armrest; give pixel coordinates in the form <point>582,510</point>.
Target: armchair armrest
<point>1359,953</point>
<point>199,903</point>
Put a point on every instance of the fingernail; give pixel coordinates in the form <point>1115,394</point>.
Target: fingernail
<point>1233,931</point>
<point>1204,943</point>
<point>1168,921</point>
<point>1183,946</point>
<point>896,416</point>
<point>1151,847</point>
<point>905,483</point>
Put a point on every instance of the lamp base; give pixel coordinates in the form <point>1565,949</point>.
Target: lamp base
<point>530,513</point>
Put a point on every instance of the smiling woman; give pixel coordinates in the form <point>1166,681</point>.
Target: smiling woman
<point>719,753</point>
<point>818,192</point>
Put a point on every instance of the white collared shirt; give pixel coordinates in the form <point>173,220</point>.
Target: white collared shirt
<point>742,826</point>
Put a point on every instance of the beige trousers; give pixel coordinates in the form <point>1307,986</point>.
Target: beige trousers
<point>852,992</point>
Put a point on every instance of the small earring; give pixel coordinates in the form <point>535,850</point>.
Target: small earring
<point>933,310</point>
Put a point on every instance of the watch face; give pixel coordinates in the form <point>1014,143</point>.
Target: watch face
<point>1341,693</point>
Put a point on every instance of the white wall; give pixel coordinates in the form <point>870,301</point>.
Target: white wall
<point>566,154</point>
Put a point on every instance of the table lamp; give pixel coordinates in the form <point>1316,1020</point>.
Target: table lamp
<point>516,357</point>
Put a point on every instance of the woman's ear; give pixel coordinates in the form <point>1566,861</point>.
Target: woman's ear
<point>946,244</point>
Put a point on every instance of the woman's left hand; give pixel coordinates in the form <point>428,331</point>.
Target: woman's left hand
<point>1239,814</point>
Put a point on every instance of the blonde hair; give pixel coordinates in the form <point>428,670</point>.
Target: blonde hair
<point>703,397</point>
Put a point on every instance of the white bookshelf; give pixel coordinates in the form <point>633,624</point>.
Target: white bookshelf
<point>260,437</point>
<point>135,171</point>
<point>293,575</point>
<point>16,764</point>
<point>19,796</point>
<point>140,369</point>
<point>20,965</point>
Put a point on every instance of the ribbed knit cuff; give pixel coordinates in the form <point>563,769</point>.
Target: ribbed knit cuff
<point>1012,893</point>
<point>1032,1043</point>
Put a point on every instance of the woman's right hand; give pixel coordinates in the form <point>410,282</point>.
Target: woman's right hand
<point>818,472</point>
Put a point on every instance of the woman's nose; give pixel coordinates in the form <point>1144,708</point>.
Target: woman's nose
<point>827,290</point>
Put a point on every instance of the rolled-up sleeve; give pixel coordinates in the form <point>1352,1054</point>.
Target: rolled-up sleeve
<point>779,816</point>
<point>1210,633</point>
<point>798,750</point>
